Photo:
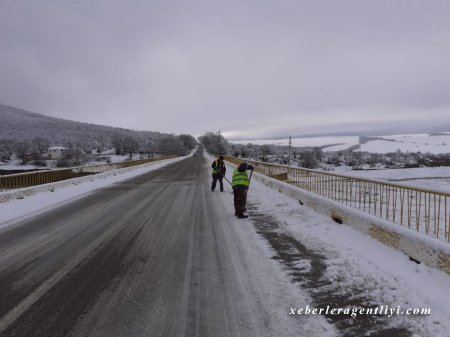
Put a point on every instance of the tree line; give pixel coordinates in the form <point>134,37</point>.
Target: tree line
<point>35,150</point>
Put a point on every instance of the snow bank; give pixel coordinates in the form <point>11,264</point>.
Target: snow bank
<point>357,264</point>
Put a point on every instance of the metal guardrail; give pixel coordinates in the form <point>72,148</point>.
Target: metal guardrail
<point>21,180</point>
<point>419,209</point>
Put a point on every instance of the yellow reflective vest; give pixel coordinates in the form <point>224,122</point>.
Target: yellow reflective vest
<point>239,178</point>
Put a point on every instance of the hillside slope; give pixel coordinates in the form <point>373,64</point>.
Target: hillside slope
<point>20,124</point>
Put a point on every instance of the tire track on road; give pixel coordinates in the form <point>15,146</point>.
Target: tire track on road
<point>109,233</point>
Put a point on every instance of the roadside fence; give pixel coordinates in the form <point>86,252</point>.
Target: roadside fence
<point>21,180</point>
<point>419,209</point>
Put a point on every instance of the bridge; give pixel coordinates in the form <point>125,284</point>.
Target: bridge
<point>161,255</point>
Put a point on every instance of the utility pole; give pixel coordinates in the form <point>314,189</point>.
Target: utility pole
<point>289,152</point>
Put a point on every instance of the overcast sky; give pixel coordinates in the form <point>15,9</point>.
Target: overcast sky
<point>257,68</point>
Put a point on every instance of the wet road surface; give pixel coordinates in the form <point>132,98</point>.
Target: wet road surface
<point>154,255</point>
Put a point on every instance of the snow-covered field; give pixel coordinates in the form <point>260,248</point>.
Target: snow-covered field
<point>412,143</point>
<point>344,142</point>
<point>435,178</point>
<point>424,143</point>
<point>353,260</point>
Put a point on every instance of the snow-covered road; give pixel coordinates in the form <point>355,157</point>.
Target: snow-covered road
<point>261,270</point>
<point>154,255</point>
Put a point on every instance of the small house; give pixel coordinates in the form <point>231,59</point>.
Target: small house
<point>56,152</point>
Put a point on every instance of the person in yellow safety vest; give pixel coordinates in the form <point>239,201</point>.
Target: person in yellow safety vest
<point>240,184</point>
<point>218,173</point>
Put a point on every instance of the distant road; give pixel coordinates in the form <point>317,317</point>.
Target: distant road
<point>155,255</point>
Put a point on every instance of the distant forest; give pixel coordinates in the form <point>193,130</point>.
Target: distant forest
<point>24,134</point>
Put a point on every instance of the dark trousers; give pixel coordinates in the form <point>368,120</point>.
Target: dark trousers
<point>240,198</point>
<point>215,177</point>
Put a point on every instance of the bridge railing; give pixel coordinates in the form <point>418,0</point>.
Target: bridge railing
<point>419,209</point>
<point>21,180</point>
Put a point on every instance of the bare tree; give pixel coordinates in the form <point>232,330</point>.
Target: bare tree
<point>130,146</point>
<point>151,147</point>
<point>6,149</point>
<point>72,157</point>
<point>117,143</point>
<point>171,145</point>
<point>188,141</point>
<point>214,143</point>
<point>22,149</point>
<point>100,142</point>
<point>309,159</point>
<point>265,152</point>
<point>40,144</point>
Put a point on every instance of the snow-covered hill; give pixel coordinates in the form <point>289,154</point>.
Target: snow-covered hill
<point>20,124</point>
<point>433,143</point>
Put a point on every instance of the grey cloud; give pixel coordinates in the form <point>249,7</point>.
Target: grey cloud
<point>249,67</point>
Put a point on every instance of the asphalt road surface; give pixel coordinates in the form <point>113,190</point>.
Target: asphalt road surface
<point>155,255</point>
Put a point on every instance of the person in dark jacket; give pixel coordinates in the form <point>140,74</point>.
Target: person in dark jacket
<point>240,184</point>
<point>218,173</point>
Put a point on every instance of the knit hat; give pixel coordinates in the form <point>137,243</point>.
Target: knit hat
<point>242,167</point>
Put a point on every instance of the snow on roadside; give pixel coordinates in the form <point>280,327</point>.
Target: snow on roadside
<point>40,202</point>
<point>356,260</point>
<point>281,294</point>
<point>353,259</point>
